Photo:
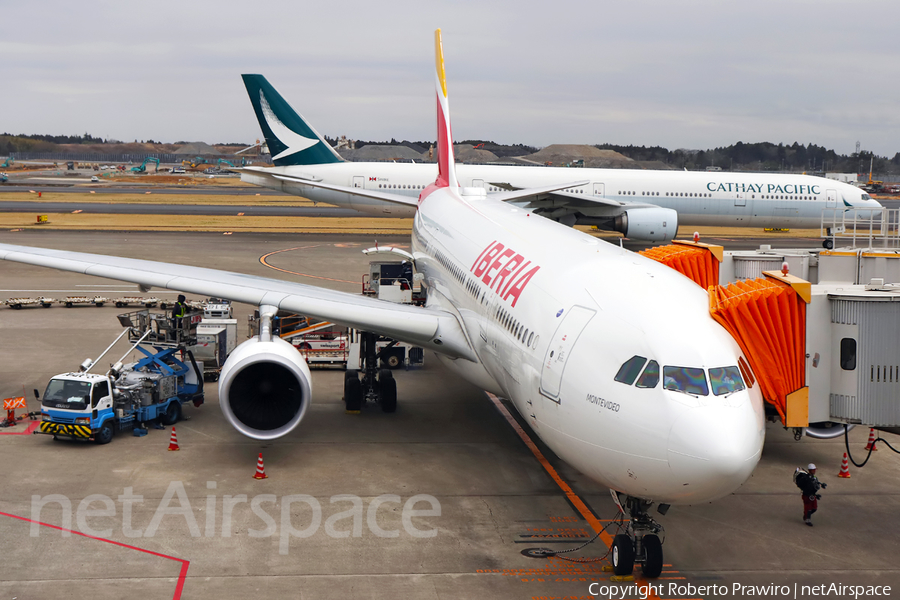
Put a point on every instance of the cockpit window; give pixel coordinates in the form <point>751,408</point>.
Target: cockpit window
<point>725,380</point>
<point>628,372</point>
<point>650,377</point>
<point>866,197</point>
<point>685,379</point>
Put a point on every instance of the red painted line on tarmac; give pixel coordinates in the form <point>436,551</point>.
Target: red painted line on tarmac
<point>263,258</point>
<point>12,430</point>
<point>184,563</point>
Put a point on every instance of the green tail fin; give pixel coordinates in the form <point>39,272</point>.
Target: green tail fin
<point>291,140</point>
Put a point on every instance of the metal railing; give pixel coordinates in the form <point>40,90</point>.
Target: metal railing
<point>862,226</point>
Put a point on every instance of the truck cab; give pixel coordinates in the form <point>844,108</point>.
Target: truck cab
<point>77,405</point>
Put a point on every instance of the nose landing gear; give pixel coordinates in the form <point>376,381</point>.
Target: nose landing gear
<point>640,543</point>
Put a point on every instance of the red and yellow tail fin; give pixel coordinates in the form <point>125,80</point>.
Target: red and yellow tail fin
<point>446,167</point>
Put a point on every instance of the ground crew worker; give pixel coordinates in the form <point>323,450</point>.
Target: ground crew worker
<point>178,312</point>
<point>809,486</point>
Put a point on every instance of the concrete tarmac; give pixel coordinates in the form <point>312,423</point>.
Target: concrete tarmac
<point>322,210</point>
<point>205,529</point>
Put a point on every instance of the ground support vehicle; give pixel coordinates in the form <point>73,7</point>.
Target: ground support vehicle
<point>129,300</point>
<point>89,406</point>
<point>70,301</point>
<point>18,303</point>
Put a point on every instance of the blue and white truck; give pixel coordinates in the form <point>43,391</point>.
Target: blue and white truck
<point>95,407</point>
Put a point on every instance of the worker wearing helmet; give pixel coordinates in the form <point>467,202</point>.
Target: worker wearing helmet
<point>179,310</point>
<point>809,486</point>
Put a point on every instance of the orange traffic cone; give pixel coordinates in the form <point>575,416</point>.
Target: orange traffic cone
<point>845,468</point>
<point>260,469</point>
<point>871,444</point>
<point>173,441</point>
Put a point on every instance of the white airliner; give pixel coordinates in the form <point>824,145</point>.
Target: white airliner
<point>612,358</point>
<point>642,205</point>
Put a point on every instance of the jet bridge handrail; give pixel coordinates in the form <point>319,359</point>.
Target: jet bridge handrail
<point>862,224</point>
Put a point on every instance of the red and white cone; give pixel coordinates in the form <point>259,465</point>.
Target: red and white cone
<point>260,469</point>
<point>871,444</point>
<point>845,468</point>
<point>173,441</point>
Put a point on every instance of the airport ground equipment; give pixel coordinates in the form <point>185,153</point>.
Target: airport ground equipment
<point>126,301</point>
<point>18,303</point>
<point>10,405</point>
<point>90,406</point>
<point>143,166</point>
<point>7,163</point>
<point>216,337</point>
<point>4,177</point>
<point>70,301</point>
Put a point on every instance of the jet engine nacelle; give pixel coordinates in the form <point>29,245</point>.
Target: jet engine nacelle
<point>265,388</point>
<point>648,224</point>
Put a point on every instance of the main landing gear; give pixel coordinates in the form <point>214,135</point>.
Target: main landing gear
<point>640,543</point>
<point>376,385</point>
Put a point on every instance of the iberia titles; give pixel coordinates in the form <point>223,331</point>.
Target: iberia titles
<point>504,271</point>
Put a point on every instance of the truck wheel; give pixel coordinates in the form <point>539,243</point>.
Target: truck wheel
<point>353,395</point>
<point>118,305</point>
<point>98,304</point>
<point>389,395</point>
<point>15,306</point>
<point>68,305</point>
<point>46,305</point>
<point>163,305</point>
<point>105,435</point>
<point>828,244</point>
<point>173,414</point>
<point>393,361</point>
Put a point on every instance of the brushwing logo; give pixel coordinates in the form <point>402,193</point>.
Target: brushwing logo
<point>294,141</point>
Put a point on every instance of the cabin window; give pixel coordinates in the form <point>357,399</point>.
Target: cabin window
<point>848,354</point>
<point>629,371</point>
<point>650,377</point>
<point>690,380</point>
<point>101,389</point>
<point>530,338</point>
<point>725,380</point>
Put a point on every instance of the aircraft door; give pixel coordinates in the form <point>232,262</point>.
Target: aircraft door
<point>598,189</point>
<point>740,199</point>
<point>359,182</point>
<point>563,340</point>
<point>830,198</point>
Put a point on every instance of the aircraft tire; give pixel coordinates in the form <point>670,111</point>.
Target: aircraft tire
<point>352,392</point>
<point>654,556</point>
<point>622,555</point>
<point>389,395</point>
<point>828,244</point>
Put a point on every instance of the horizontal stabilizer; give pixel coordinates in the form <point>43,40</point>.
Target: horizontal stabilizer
<point>362,192</point>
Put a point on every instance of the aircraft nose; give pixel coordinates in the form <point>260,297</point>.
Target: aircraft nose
<point>713,450</point>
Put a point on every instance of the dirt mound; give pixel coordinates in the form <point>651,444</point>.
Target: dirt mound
<point>468,154</point>
<point>561,154</point>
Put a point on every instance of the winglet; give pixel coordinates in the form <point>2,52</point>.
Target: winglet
<point>446,167</point>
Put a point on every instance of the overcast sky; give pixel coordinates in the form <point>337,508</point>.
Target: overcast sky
<point>661,72</point>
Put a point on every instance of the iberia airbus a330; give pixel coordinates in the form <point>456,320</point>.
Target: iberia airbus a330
<point>612,358</point>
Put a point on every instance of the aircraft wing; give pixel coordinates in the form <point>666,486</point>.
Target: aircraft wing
<point>408,201</point>
<point>435,329</point>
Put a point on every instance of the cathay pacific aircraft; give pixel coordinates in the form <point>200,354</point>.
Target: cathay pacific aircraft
<point>612,358</point>
<point>642,205</point>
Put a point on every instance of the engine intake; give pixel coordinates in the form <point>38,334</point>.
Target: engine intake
<point>648,224</point>
<point>265,388</point>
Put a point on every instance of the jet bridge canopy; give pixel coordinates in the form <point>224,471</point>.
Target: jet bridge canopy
<point>767,318</point>
<point>696,261</point>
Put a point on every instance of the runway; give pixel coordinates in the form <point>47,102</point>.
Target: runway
<point>447,441</point>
